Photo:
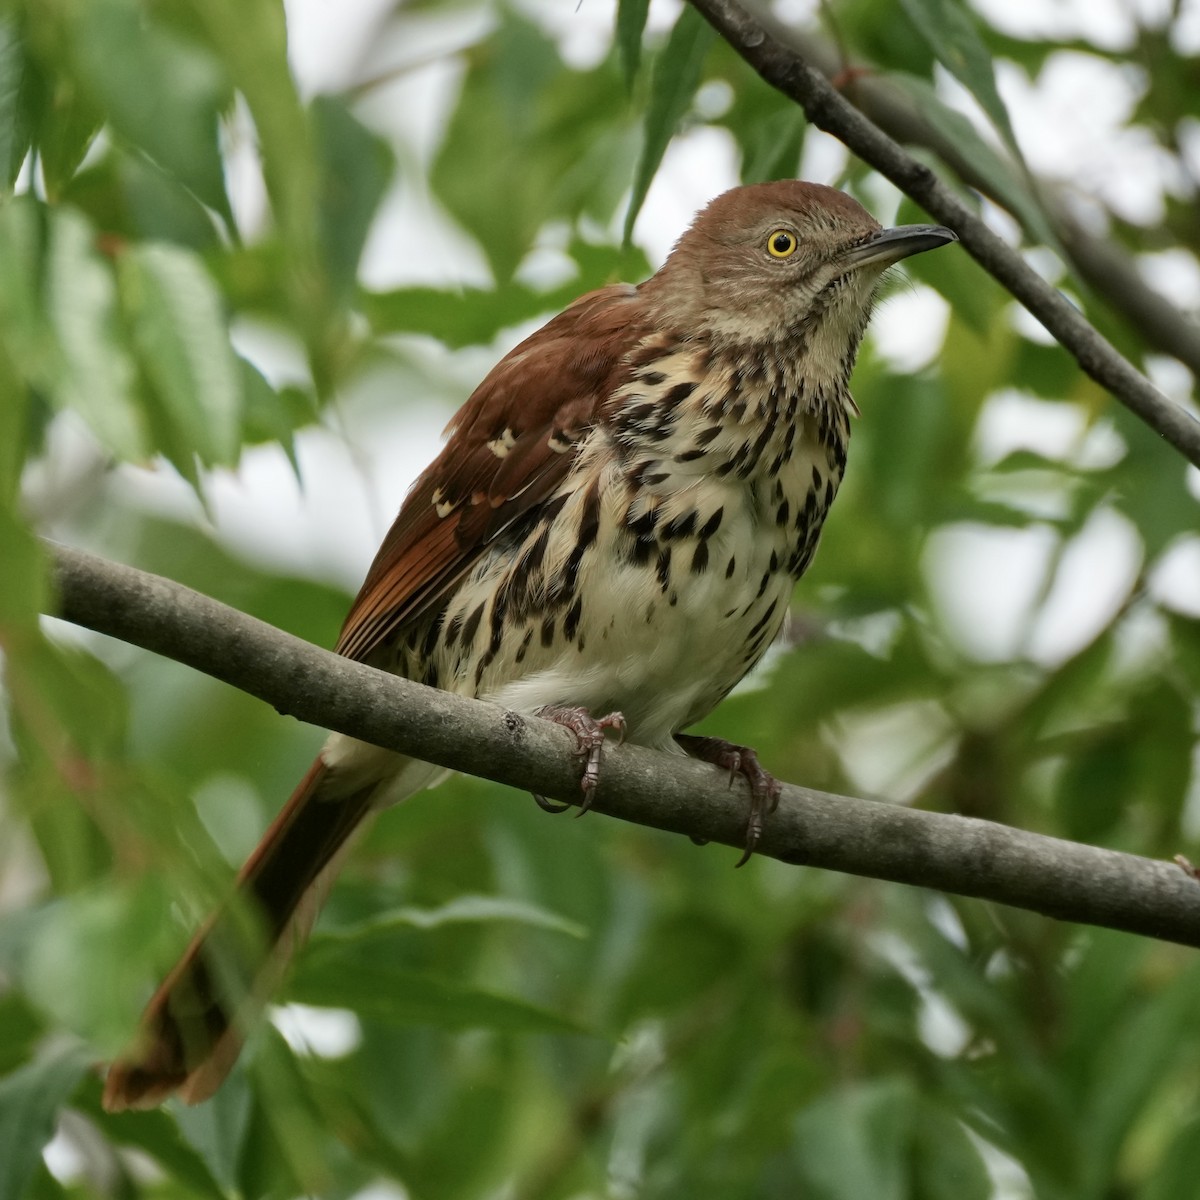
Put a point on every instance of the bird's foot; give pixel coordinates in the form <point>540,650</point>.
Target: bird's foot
<point>589,734</point>
<point>739,760</point>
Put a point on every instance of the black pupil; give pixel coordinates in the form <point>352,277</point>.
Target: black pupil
<point>783,243</point>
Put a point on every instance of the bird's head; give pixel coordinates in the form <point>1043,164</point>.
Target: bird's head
<point>787,264</point>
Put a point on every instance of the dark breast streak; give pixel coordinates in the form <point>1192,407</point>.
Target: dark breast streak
<point>686,517</point>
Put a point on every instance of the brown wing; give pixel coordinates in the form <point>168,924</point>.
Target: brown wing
<point>509,447</point>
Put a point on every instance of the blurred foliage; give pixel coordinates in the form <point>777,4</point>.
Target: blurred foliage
<point>515,1006</point>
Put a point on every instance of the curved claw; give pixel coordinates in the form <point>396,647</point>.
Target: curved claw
<point>739,760</point>
<point>589,737</point>
<point>550,806</point>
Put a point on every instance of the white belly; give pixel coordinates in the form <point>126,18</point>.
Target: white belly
<point>663,648</point>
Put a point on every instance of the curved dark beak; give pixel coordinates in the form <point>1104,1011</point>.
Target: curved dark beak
<point>891,245</point>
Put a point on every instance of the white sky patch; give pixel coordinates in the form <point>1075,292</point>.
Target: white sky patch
<point>1175,579</point>
<point>1097,571</point>
<point>244,182</point>
<point>823,158</point>
<point>413,241</point>
<point>1109,24</point>
<point>1071,124</point>
<point>1176,274</point>
<point>327,41</point>
<point>893,751</point>
<point>1173,379</point>
<point>1013,420</point>
<point>64,1159</point>
<point>697,166</point>
<point>797,12</point>
<point>337,519</point>
<point>320,1032</point>
<point>983,582</point>
<point>382,1189</point>
<point>328,527</point>
<point>908,328</point>
<point>582,31</point>
<point>416,81</point>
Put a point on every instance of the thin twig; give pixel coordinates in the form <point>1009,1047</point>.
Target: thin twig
<point>784,69</point>
<point>886,841</point>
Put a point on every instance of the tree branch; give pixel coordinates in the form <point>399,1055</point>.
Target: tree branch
<point>784,69</point>
<point>886,841</point>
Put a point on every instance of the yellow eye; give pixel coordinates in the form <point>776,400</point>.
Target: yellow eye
<point>781,244</point>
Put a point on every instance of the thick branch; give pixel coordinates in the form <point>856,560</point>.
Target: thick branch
<point>955,854</point>
<point>783,68</point>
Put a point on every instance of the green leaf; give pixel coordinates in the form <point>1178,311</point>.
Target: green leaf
<point>853,1143</point>
<point>15,130</point>
<point>81,301</point>
<point>1153,489</point>
<point>948,1165</point>
<point>285,1124</point>
<point>155,1134</point>
<point>1096,783</point>
<point>356,166</point>
<point>462,910</point>
<point>770,131</point>
<point>21,1026</point>
<point>29,1102</point>
<point>471,317</point>
<point>631,22</point>
<point>182,343</point>
<point>569,131</point>
<point>129,196</point>
<point>270,415</point>
<point>952,34</point>
<point>15,431</point>
<point>474,316</point>
<point>677,71</point>
<point>217,1129</point>
<point>24,327</point>
<point>166,98</point>
<point>63,117</point>
<point>1132,1062</point>
<point>1179,1167</point>
<point>336,975</point>
<point>99,934</point>
<point>24,593</point>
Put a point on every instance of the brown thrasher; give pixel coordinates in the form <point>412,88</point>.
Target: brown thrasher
<point>614,526</point>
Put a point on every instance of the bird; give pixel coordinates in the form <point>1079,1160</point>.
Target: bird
<point>609,539</point>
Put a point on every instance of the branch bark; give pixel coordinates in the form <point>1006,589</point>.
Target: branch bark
<point>783,68</point>
<point>863,837</point>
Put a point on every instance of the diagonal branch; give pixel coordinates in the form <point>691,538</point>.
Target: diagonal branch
<point>886,841</point>
<point>783,68</point>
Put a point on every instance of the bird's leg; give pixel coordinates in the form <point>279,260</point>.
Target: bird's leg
<point>739,760</point>
<point>589,734</point>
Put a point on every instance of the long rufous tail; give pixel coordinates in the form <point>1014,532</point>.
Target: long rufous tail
<point>192,1029</point>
